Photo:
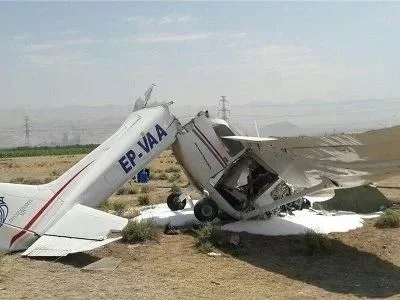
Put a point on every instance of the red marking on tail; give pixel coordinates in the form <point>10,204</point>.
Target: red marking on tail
<point>40,212</point>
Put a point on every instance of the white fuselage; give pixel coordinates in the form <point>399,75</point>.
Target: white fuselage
<point>221,167</point>
<point>204,156</point>
<point>32,210</point>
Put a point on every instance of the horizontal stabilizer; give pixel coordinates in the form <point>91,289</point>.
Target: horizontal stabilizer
<point>80,229</point>
<point>62,246</point>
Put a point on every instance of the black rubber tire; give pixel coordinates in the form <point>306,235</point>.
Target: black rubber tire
<point>174,203</point>
<point>306,204</point>
<point>206,210</point>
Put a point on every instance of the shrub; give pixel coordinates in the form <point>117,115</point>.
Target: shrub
<point>175,177</point>
<point>132,191</point>
<point>144,199</point>
<point>204,238</point>
<point>205,247</point>
<point>139,232</point>
<point>22,180</point>
<point>390,219</point>
<point>313,242</point>
<point>55,173</point>
<point>175,189</point>
<point>32,181</point>
<point>119,207</point>
<point>121,191</point>
<point>105,206</point>
<point>145,189</point>
<point>127,191</point>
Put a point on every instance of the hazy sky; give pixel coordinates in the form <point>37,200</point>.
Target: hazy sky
<point>56,54</point>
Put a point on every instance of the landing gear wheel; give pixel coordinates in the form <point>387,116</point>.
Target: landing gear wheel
<point>206,210</point>
<point>174,203</point>
<point>306,204</point>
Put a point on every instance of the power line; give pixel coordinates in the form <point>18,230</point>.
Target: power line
<point>224,111</point>
<point>27,131</point>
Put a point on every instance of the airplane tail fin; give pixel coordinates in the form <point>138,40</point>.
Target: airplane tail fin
<point>139,104</point>
<point>24,208</point>
<point>20,207</point>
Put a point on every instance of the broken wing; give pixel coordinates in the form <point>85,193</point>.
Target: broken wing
<point>347,159</point>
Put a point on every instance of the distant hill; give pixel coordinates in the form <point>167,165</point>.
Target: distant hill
<point>284,128</point>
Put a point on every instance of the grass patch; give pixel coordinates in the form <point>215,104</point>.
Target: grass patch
<point>105,206</point>
<point>22,180</point>
<point>119,207</point>
<point>2,254</point>
<point>127,191</point>
<point>139,232</point>
<point>46,151</point>
<point>204,237</point>
<point>146,188</point>
<point>315,243</point>
<point>389,219</point>
<point>144,199</point>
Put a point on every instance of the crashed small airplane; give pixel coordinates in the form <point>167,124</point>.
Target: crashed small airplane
<point>59,218</point>
<point>242,176</point>
<point>246,177</point>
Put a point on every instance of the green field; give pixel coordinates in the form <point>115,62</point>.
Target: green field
<point>45,151</point>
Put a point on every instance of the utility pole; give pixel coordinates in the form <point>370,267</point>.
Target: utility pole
<point>27,132</point>
<point>224,111</point>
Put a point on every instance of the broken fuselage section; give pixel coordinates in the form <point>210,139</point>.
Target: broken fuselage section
<point>232,178</point>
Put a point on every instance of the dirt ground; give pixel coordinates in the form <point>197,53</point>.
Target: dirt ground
<point>363,262</point>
